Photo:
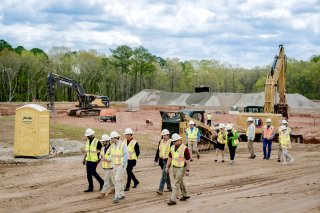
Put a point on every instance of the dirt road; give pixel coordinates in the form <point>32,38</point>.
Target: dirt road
<point>57,184</point>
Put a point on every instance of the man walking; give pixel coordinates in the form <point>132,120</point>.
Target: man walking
<point>133,154</point>
<point>106,163</point>
<point>162,157</point>
<point>287,132</point>
<point>251,131</point>
<point>91,159</point>
<point>179,159</point>
<point>267,137</point>
<point>209,119</point>
<point>119,156</point>
<point>193,137</point>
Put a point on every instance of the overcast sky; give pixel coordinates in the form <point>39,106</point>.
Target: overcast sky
<point>242,33</point>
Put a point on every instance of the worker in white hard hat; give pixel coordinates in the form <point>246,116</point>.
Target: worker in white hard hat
<point>193,138</point>
<point>285,142</point>
<point>92,158</point>
<point>119,156</point>
<point>161,157</point>
<point>251,131</point>
<point>221,142</point>
<point>107,166</point>
<point>288,132</point>
<point>133,154</point>
<point>267,137</point>
<point>233,142</point>
<point>179,160</point>
<point>209,119</point>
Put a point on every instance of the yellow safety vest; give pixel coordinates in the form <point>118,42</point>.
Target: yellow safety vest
<point>178,159</point>
<point>284,139</point>
<point>254,130</point>
<point>288,131</point>
<point>222,140</point>
<point>193,136</point>
<point>164,149</point>
<point>91,149</point>
<point>117,153</point>
<point>209,117</point>
<point>104,158</point>
<point>267,132</point>
<point>131,152</point>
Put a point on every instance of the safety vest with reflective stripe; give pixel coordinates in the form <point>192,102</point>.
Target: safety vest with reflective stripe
<point>284,140</point>
<point>222,140</point>
<point>117,153</point>
<point>209,117</point>
<point>288,131</point>
<point>131,152</point>
<point>192,136</point>
<point>104,158</point>
<point>178,159</point>
<point>91,149</point>
<point>164,148</point>
<point>268,132</point>
<point>254,130</point>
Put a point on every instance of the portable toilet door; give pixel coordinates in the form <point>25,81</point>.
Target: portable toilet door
<point>31,137</point>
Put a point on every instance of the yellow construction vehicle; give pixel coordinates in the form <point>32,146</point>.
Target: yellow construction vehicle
<point>275,83</point>
<point>177,122</point>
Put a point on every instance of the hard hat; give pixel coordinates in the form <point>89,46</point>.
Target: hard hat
<point>268,120</point>
<point>175,137</point>
<point>105,137</point>
<point>114,134</point>
<point>165,132</point>
<point>222,126</point>
<point>209,112</point>
<point>191,122</point>
<point>283,127</point>
<point>284,122</point>
<point>249,119</point>
<point>228,127</point>
<point>128,131</point>
<point>88,132</point>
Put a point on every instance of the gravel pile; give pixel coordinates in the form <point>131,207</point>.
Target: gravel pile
<point>60,146</point>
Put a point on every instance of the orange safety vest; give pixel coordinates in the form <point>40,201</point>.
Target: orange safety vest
<point>104,158</point>
<point>117,153</point>
<point>268,132</point>
<point>164,149</point>
<point>91,149</point>
<point>178,159</point>
<point>131,152</point>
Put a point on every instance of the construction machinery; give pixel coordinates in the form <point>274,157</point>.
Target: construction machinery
<point>275,83</point>
<point>177,122</point>
<point>86,105</point>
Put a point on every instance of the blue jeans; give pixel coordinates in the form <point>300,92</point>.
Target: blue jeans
<point>165,178</point>
<point>265,144</point>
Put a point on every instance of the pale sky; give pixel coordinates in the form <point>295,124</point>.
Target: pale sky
<point>242,33</point>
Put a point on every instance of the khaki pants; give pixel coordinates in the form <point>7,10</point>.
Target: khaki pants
<point>250,147</point>
<point>178,174</point>
<point>118,171</point>
<point>193,147</point>
<point>107,181</point>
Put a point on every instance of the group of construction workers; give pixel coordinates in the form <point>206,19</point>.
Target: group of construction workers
<point>116,157</point>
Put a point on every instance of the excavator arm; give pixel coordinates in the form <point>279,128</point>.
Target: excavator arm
<point>276,81</point>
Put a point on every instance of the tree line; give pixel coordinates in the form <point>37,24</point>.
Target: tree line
<point>127,70</point>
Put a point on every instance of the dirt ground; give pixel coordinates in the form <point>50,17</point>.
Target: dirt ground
<point>56,184</point>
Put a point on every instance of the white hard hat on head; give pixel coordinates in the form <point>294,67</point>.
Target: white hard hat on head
<point>191,122</point>
<point>222,126</point>
<point>89,132</point>
<point>268,120</point>
<point>284,122</point>
<point>105,137</point>
<point>175,137</point>
<point>249,119</point>
<point>165,132</point>
<point>114,134</point>
<point>228,127</point>
<point>128,131</point>
<point>283,127</point>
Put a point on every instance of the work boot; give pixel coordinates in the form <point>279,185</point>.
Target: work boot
<point>117,200</point>
<point>88,190</point>
<point>170,202</point>
<point>101,196</point>
<point>159,192</point>
<point>112,192</point>
<point>135,185</point>
<point>184,198</point>
<point>198,156</point>
<point>126,189</point>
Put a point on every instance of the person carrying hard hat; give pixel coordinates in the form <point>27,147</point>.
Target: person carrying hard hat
<point>233,142</point>
<point>288,131</point>
<point>285,142</point>
<point>106,163</point>
<point>133,154</point>
<point>179,160</point>
<point>91,159</point>
<point>193,137</point>
<point>221,141</point>
<point>251,131</point>
<point>267,137</point>
<point>209,119</point>
<point>162,156</point>
<point>119,156</point>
